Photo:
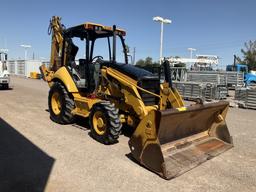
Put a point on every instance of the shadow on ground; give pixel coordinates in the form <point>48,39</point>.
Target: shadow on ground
<point>23,166</point>
<point>5,89</point>
<point>82,123</point>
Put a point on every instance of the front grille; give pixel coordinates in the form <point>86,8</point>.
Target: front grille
<point>151,84</point>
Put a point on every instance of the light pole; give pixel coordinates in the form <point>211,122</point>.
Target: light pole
<point>162,21</point>
<point>191,52</point>
<point>26,47</point>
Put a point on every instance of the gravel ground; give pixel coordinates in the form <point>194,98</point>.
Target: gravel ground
<point>37,154</point>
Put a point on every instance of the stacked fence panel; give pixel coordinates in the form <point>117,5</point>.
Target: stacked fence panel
<point>221,93</point>
<point>251,99</point>
<point>189,90</point>
<point>241,93</point>
<point>205,91</point>
<point>207,76</point>
<point>21,68</point>
<point>247,96</point>
<point>234,79</point>
<point>11,66</point>
<point>225,78</point>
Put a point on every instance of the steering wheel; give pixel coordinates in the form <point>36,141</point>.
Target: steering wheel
<point>97,58</point>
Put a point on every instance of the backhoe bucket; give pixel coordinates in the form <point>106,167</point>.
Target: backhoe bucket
<point>173,141</point>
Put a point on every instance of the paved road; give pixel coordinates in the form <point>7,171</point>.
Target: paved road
<point>39,155</point>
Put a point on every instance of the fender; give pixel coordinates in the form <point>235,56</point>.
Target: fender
<point>63,75</point>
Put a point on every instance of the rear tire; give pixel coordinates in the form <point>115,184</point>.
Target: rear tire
<point>105,123</point>
<point>60,104</point>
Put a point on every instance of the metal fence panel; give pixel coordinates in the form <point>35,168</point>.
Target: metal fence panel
<point>11,67</point>
<point>247,95</point>
<point>21,68</point>
<point>223,78</point>
<point>205,91</point>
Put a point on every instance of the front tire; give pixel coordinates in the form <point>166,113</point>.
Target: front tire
<point>105,123</point>
<point>5,86</point>
<point>60,104</point>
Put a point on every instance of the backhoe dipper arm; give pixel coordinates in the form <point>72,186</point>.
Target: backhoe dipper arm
<point>57,31</point>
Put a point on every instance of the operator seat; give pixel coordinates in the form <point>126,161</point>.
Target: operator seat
<point>73,51</point>
<point>87,80</point>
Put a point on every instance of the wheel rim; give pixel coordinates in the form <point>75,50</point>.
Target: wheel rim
<point>56,104</point>
<point>99,123</point>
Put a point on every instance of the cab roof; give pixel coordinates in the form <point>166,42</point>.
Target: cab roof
<point>96,30</point>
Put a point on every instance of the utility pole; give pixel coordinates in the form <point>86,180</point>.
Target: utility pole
<point>134,50</point>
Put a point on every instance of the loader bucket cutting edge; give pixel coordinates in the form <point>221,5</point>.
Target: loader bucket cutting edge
<point>179,141</point>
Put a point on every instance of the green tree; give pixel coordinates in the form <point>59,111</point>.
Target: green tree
<point>155,63</point>
<point>180,65</point>
<point>249,55</point>
<point>148,61</point>
<point>140,63</point>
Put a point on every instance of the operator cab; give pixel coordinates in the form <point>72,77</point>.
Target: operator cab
<point>88,47</point>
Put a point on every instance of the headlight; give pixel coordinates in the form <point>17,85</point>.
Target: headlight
<point>6,75</point>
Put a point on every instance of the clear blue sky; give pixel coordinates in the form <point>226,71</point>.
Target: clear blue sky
<point>211,26</point>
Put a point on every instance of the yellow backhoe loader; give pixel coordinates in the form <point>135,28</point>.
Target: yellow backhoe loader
<point>168,137</point>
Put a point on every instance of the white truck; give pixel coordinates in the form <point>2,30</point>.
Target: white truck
<point>4,74</point>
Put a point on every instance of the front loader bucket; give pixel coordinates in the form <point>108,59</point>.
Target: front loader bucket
<point>171,142</point>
